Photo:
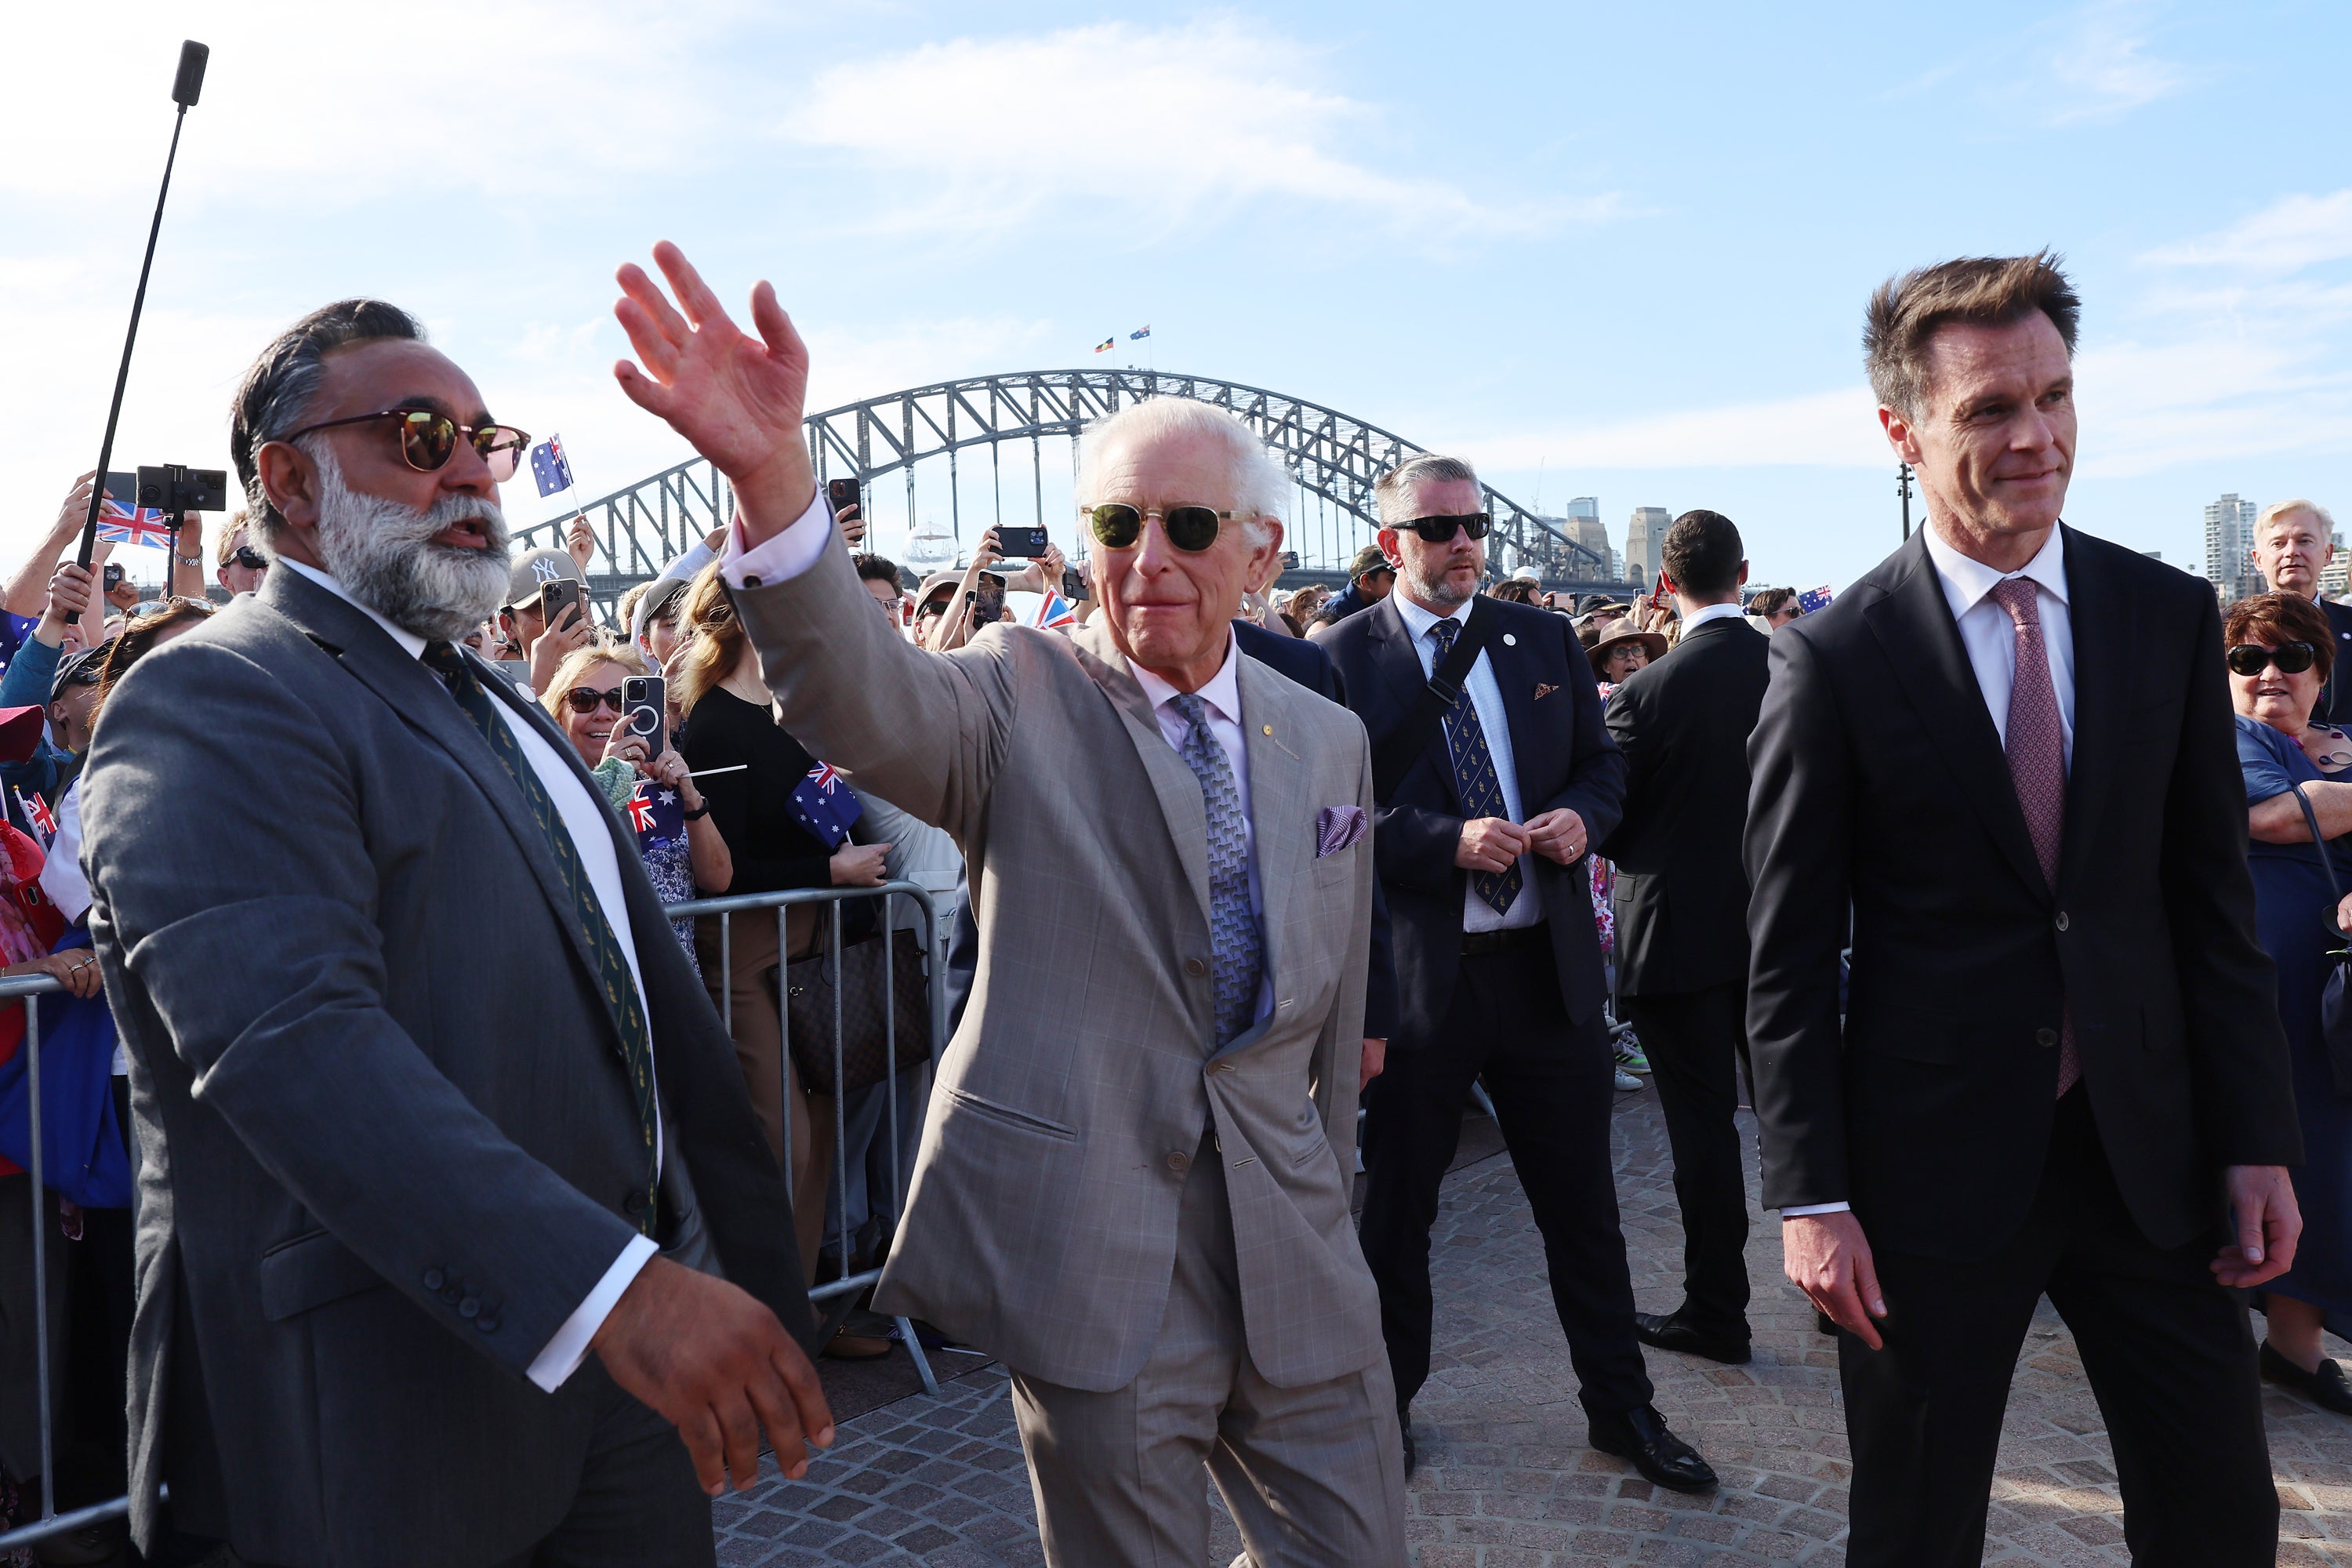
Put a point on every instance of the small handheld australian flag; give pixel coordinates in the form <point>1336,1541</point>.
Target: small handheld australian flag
<point>826,806</point>
<point>656,814</point>
<point>1813,601</point>
<point>550,466</point>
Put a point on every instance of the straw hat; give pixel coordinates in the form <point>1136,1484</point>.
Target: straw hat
<point>1619,632</point>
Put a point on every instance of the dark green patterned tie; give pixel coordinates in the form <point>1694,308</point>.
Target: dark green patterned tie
<point>613,974</point>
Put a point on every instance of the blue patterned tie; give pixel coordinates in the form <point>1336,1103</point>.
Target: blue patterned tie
<point>1233,926</point>
<point>613,974</point>
<point>1474,774</point>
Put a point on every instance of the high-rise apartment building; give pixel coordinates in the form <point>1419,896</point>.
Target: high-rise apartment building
<point>2228,548</point>
<point>1643,537</point>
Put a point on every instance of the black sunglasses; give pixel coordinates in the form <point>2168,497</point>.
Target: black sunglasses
<point>1191,529</point>
<point>429,440</point>
<point>587,699</point>
<point>1439,530</point>
<point>2252,658</point>
<point>247,556</point>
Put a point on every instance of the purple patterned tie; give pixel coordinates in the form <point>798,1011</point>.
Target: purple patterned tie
<point>2036,745</point>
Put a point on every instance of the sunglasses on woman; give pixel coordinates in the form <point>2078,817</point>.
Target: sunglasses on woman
<point>587,699</point>
<point>429,440</point>
<point>1191,529</point>
<point>2251,659</point>
<point>1439,530</point>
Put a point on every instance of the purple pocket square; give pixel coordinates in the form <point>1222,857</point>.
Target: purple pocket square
<point>1337,828</point>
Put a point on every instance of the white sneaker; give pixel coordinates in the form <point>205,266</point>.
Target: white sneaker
<point>1626,1082</point>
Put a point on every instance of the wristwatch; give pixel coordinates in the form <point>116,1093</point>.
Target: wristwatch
<point>698,816</point>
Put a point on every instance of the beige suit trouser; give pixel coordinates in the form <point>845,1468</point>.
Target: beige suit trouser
<point>748,1001</point>
<point>1313,1475</point>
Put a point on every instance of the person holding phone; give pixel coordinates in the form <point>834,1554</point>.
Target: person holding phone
<point>1043,574</point>
<point>546,612</point>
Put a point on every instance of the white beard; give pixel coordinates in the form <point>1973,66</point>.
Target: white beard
<point>383,556</point>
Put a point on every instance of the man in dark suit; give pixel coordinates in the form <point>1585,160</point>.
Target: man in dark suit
<point>443,1148</point>
<point>1481,844</point>
<point>1682,914</point>
<point>2293,542</point>
<point>2010,747</point>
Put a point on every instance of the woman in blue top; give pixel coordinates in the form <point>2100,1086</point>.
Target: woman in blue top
<point>2280,652</point>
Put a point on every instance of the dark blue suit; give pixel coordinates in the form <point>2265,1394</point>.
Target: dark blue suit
<point>1524,1011</point>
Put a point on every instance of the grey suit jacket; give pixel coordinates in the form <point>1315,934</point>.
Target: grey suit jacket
<point>386,1143</point>
<point>1042,1222</point>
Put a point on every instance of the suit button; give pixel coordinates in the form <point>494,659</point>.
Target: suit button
<point>2061,919</point>
<point>2045,1037</point>
<point>433,1278</point>
<point>1179,1161</point>
<point>634,1202</point>
<point>1195,968</point>
<point>471,1307</point>
<point>751,582</point>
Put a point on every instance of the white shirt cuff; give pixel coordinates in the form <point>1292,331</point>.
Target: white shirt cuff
<point>1803,1209</point>
<point>563,1354</point>
<point>784,557</point>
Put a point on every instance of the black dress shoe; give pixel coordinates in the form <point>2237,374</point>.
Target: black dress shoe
<point>2325,1388</point>
<point>1642,1437</point>
<point>1411,1459</point>
<point>1668,1331</point>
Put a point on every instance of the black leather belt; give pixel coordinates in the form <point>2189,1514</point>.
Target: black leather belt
<point>1475,942</point>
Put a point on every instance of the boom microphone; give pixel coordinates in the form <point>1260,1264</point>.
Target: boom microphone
<point>185,87</point>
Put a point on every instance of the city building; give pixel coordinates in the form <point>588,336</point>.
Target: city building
<point>1584,524</point>
<point>1644,535</point>
<point>2228,548</point>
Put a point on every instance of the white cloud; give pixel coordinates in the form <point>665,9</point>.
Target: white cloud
<point>2104,68</point>
<point>1828,429</point>
<point>2291,234</point>
<point>1152,127</point>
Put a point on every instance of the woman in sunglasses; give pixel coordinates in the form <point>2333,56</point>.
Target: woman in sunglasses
<point>584,696</point>
<point>2280,650</point>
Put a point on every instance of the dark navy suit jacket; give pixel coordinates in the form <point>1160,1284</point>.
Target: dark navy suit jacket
<point>1562,755</point>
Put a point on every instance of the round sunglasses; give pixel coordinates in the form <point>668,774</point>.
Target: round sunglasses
<point>587,699</point>
<point>1191,529</point>
<point>429,440</point>
<point>2251,659</point>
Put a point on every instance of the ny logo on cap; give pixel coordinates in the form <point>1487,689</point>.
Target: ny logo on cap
<point>546,571</point>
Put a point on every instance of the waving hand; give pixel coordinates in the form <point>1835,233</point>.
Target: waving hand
<point>736,398</point>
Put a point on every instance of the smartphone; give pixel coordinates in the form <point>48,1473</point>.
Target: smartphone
<point>113,575</point>
<point>645,710</point>
<point>556,593</point>
<point>1074,584</point>
<point>841,493</point>
<point>1027,543</point>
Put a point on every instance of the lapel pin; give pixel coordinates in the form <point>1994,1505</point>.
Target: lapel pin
<point>1510,641</point>
<point>1265,730</point>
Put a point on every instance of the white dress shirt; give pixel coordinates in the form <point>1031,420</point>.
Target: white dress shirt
<point>583,818</point>
<point>801,545</point>
<point>1990,637</point>
<point>1486,701</point>
<point>1700,617</point>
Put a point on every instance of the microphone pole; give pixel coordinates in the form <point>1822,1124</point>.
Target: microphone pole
<point>185,87</point>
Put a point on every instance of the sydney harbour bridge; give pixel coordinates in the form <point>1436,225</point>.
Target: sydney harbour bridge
<point>939,440</point>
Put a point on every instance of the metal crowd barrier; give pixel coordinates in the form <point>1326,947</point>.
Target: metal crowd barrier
<point>835,1298</point>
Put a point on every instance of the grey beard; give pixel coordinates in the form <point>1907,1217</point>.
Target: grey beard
<point>1440,591</point>
<point>383,556</point>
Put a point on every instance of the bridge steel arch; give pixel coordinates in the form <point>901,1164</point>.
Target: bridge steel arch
<point>1328,455</point>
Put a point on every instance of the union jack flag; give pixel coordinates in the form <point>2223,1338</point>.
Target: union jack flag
<point>825,805</point>
<point>1054,612</point>
<point>120,521</point>
<point>37,812</point>
<point>1813,601</point>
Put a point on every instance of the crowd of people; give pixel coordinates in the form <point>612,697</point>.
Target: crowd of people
<point>415,1147</point>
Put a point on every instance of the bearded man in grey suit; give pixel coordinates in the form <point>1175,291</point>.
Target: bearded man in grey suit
<point>1133,1186</point>
<point>443,1149</point>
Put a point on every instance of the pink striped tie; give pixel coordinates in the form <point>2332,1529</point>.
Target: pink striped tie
<point>2036,745</point>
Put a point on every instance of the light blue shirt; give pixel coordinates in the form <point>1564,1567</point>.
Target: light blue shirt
<point>1485,694</point>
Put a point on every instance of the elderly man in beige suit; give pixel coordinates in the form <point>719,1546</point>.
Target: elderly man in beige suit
<point>1133,1187</point>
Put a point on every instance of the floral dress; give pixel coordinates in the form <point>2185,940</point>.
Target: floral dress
<point>660,832</point>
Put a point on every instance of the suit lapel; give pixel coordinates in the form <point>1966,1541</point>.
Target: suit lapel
<point>1179,792</point>
<point>417,694</point>
<point>1279,803</point>
<point>1400,667</point>
<point>2100,628</point>
<point>1914,624</point>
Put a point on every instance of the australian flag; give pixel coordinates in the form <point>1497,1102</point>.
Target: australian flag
<point>825,805</point>
<point>1813,601</point>
<point>656,814</point>
<point>1145,333</point>
<point>122,521</point>
<point>550,466</point>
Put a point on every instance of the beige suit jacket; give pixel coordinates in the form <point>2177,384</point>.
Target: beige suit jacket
<point>1041,1226</point>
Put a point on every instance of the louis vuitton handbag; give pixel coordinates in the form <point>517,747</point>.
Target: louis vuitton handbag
<point>811,987</point>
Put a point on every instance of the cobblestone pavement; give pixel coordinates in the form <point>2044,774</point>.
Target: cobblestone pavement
<point>1506,1480</point>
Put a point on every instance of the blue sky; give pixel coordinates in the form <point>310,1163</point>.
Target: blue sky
<point>1602,251</point>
